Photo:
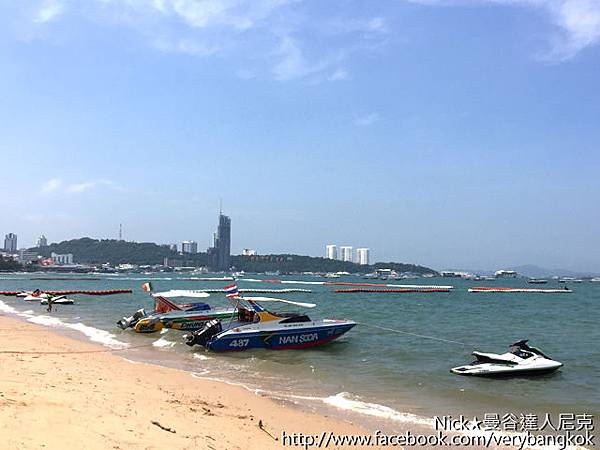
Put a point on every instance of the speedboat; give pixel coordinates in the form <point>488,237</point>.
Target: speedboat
<point>520,360</point>
<point>185,317</point>
<point>537,281</point>
<point>255,327</point>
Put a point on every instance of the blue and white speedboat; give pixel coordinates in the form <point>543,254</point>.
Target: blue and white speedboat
<point>255,327</point>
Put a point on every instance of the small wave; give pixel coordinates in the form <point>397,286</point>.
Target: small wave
<point>200,356</point>
<point>94,334</point>
<point>7,308</point>
<point>344,400</point>
<point>131,361</point>
<point>162,343</point>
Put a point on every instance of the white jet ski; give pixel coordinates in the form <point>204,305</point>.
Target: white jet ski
<point>36,296</point>
<point>520,360</point>
<point>57,300</point>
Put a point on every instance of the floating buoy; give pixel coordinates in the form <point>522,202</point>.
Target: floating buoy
<point>388,291</point>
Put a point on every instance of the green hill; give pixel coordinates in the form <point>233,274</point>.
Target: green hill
<point>299,263</point>
<point>94,251</point>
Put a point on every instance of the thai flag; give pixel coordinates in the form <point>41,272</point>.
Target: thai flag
<point>232,291</point>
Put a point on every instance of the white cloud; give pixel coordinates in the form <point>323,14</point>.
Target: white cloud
<point>77,188</point>
<point>293,64</point>
<point>187,46</point>
<point>48,11</point>
<point>57,185</point>
<point>338,75</point>
<point>577,22</point>
<point>366,120</point>
<point>275,38</point>
<point>52,185</point>
<point>580,21</point>
<point>367,27</point>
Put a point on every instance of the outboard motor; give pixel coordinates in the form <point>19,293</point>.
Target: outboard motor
<point>127,322</point>
<point>202,336</point>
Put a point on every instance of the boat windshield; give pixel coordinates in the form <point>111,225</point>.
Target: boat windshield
<point>522,350</point>
<point>246,315</point>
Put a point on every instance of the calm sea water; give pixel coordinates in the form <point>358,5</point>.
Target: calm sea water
<point>380,373</point>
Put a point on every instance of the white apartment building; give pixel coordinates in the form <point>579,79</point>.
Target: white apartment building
<point>362,256</point>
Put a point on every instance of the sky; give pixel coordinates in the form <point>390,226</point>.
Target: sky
<point>453,134</point>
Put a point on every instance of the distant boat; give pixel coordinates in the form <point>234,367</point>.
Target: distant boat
<point>595,280</point>
<point>570,280</point>
<point>537,281</point>
<point>505,274</point>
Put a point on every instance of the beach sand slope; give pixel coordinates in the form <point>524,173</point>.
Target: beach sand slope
<point>98,400</point>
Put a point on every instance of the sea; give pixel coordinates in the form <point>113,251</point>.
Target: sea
<point>391,370</point>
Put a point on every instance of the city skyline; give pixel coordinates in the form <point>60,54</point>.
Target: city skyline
<point>448,134</point>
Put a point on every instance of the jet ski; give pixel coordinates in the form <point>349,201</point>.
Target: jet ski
<point>56,300</point>
<point>520,360</point>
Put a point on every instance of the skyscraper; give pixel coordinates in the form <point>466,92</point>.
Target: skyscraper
<point>331,251</point>
<point>189,247</point>
<point>220,253</point>
<point>346,253</point>
<point>42,241</point>
<point>362,256</point>
<point>10,243</point>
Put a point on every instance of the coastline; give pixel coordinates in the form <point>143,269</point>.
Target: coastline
<point>76,391</point>
<point>98,398</point>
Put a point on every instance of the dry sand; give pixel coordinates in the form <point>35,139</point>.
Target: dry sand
<point>98,400</point>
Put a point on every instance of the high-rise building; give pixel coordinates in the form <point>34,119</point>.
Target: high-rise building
<point>189,247</point>
<point>346,253</point>
<point>331,251</point>
<point>362,256</point>
<point>220,253</point>
<point>42,241</point>
<point>10,243</point>
<point>173,247</point>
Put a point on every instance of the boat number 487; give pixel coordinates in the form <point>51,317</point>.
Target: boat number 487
<point>237,343</point>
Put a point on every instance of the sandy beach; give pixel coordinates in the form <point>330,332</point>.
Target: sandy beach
<point>97,400</point>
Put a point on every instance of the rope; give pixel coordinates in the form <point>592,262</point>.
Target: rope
<point>73,352</point>
<point>413,334</point>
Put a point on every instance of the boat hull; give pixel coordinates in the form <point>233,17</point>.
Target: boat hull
<point>179,321</point>
<point>282,339</point>
<point>503,371</point>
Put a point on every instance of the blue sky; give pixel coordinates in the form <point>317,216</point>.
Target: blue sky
<point>455,134</point>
